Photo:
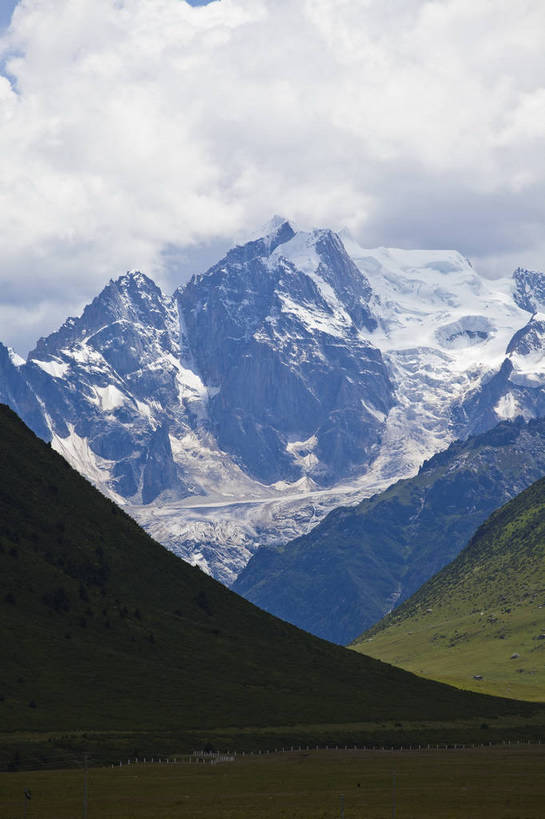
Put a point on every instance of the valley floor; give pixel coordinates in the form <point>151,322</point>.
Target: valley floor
<point>501,782</point>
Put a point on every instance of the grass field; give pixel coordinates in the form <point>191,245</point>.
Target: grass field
<point>497,783</point>
<point>455,647</point>
<point>34,750</point>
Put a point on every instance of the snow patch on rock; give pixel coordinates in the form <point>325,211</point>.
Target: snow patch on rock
<point>56,369</point>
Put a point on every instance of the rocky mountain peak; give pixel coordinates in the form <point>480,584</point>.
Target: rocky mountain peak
<point>529,291</point>
<point>133,298</point>
<point>529,339</point>
<point>322,255</point>
<point>16,359</point>
<point>258,248</point>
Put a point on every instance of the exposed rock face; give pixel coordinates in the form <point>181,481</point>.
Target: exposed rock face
<point>529,291</point>
<point>159,472</point>
<point>281,346</point>
<point>112,379</point>
<point>16,392</point>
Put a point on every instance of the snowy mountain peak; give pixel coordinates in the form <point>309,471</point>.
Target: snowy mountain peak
<point>321,256</point>
<point>267,230</point>
<point>255,248</point>
<point>526,351</point>
<point>134,281</point>
<point>274,225</point>
<point>133,298</point>
<point>15,358</point>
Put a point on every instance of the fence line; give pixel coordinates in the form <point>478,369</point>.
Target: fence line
<point>216,757</point>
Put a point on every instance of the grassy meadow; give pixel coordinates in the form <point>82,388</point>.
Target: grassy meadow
<point>460,646</point>
<point>503,782</point>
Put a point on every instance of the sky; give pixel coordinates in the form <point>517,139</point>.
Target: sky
<point>150,134</point>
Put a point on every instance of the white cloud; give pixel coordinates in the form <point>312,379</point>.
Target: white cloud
<point>133,126</point>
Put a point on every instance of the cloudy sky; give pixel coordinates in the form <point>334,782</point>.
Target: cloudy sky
<point>151,134</point>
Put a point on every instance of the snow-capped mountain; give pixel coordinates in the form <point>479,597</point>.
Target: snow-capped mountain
<point>279,331</point>
<point>300,372</point>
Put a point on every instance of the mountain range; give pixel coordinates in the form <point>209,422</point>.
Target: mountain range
<point>298,373</point>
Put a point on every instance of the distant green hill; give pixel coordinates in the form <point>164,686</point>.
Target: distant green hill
<point>345,574</point>
<point>480,622</point>
<point>103,629</point>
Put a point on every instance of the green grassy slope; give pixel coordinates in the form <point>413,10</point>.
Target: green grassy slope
<point>484,614</point>
<point>103,629</point>
<point>345,574</point>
